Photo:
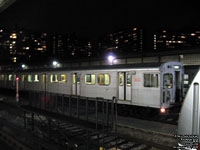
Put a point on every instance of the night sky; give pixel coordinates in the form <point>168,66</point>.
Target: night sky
<point>93,18</point>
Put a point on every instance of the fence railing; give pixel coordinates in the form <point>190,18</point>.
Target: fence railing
<point>98,110</point>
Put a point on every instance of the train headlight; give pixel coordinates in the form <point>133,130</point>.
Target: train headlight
<point>162,110</point>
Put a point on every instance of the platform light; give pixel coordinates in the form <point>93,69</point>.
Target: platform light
<point>111,58</point>
<point>55,63</point>
<point>162,110</point>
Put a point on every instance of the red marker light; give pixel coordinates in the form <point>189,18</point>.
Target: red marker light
<point>17,78</point>
<point>162,110</point>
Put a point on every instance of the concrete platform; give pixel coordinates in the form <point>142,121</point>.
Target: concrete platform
<point>149,131</point>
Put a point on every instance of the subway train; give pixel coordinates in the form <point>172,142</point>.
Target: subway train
<point>146,86</point>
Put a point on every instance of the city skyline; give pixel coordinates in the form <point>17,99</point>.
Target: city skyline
<point>94,19</point>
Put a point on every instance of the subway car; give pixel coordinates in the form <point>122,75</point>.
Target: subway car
<point>149,86</point>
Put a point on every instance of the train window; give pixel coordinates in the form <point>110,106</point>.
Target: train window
<point>29,78</point>
<point>121,79</point>
<point>128,80</point>
<point>44,78</point>
<point>90,79</point>
<point>186,79</point>
<point>36,78</point>
<point>14,77</point>
<point>150,80</point>
<point>63,78</point>
<point>2,77</point>
<point>10,77</point>
<point>76,78</point>
<point>168,80</point>
<point>54,78</point>
<point>104,79</point>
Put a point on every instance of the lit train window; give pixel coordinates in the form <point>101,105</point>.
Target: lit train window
<point>128,80</point>
<point>186,79</point>
<point>168,80</point>
<point>2,77</point>
<point>104,79</point>
<point>76,78</point>
<point>29,78</point>
<point>36,78</point>
<point>90,79</point>
<point>150,80</point>
<point>10,77</point>
<point>54,78</point>
<point>121,79</point>
<point>63,78</point>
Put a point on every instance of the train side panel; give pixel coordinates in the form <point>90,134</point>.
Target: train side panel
<point>145,96</point>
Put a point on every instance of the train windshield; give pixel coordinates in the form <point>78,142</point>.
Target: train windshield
<point>168,81</point>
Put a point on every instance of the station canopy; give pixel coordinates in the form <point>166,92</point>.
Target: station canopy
<point>5,4</point>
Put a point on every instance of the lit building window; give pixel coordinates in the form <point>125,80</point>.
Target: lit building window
<point>1,30</point>
<point>134,29</point>
<point>180,41</point>
<point>14,59</point>
<point>27,48</point>
<point>39,49</point>
<point>125,41</point>
<point>89,53</point>
<point>13,36</point>
<point>164,31</point>
<point>183,37</point>
<point>192,34</point>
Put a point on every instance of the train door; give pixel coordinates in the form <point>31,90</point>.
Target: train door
<point>125,85</point>
<point>75,84</point>
<point>23,82</point>
<point>44,82</point>
<point>168,87</point>
<point>177,86</point>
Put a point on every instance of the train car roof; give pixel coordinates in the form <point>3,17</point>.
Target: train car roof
<point>100,67</point>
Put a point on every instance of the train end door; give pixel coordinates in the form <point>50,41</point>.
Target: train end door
<point>76,84</point>
<point>168,86</point>
<point>124,86</point>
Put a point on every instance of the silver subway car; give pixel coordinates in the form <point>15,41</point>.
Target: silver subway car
<point>147,85</point>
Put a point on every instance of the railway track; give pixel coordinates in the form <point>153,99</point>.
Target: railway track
<point>65,135</point>
<point>69,136</point>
